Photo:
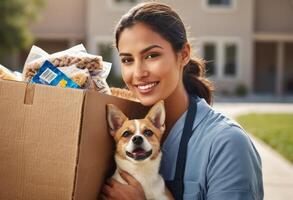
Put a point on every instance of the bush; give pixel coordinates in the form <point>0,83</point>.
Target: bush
<point>241,90</point>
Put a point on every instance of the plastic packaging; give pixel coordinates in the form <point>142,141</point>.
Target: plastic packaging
<point>6,74</point>
<point>51,75</point>
<point>76,63</point>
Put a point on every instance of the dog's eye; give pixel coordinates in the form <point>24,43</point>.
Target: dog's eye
<point>126,134</point>
<point>148,133</point>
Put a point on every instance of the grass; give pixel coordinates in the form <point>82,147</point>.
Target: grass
<point>274,129</point>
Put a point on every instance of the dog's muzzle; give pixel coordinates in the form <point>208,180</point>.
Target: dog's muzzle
<point>138,153</point>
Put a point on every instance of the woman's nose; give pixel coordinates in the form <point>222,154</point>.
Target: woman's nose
<point>140,71</point>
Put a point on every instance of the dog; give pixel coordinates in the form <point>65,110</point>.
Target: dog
<point>138,148</point>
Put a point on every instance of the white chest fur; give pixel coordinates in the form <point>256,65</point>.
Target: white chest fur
<point>147,173</point>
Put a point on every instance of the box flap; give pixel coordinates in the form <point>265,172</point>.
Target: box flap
<point>96,148</point>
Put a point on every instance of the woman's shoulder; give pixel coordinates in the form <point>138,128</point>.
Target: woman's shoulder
<point>222,131</point>
<point>216,127</point>
<point>209,118</point>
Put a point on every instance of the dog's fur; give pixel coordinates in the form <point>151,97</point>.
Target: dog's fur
<point>138,148</point>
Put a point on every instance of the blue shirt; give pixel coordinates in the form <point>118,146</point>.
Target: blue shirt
<point>222,162</point>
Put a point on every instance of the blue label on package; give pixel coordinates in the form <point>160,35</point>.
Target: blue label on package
<point>48,74</point>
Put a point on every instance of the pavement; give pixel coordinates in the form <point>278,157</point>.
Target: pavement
<point>277,171</point>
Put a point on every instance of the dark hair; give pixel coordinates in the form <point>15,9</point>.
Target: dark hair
<point>166,22</point>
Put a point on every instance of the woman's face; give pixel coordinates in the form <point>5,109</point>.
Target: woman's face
<point>150,67</point>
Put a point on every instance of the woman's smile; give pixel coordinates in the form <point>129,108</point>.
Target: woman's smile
<point>148,87</point>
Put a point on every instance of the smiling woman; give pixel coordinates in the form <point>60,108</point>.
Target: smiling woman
<point>205,154</point>
<point>150,68</point>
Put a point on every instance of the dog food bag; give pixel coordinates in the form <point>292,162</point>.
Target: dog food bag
<point>48,74</point>
<point>6,74</point>
<point>80,76</point>
<point>100,79</point>
<point>91,67</point>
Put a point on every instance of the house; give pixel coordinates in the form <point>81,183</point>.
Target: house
<point>246,43</point>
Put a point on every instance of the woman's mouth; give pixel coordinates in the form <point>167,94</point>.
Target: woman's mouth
<point>147,87</point>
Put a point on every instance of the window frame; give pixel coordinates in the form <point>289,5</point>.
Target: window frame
<point>220,61</point>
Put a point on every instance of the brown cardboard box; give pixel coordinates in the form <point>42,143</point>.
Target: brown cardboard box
<point>54,142</point>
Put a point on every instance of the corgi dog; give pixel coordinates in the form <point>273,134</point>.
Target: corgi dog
<point>138,148</point>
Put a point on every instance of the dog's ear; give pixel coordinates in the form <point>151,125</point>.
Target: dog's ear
<point>157,115</point>
<point>115,118</point>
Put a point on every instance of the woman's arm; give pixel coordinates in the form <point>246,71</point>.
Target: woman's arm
<point>169,194</point>
<point>132,190</point>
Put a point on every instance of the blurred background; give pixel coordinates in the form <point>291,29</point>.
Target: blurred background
<point>247,43</point>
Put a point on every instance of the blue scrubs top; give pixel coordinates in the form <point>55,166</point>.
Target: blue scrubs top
<point>222,163</point>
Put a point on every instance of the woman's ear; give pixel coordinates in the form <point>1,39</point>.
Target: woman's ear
<point>185,54</point>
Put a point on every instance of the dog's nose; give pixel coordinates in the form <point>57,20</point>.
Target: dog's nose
<point>138,140</point>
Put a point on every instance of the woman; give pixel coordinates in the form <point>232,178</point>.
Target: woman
<point>217,160</point>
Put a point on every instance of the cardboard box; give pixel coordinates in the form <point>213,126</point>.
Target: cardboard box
<point>54,142</point>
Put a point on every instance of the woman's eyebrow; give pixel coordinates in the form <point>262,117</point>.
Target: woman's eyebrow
<point>149,48</point>
<point>142,51</point>
<point>124,54</point>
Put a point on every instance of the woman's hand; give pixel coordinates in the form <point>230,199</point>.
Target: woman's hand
<point>131,191</point>
<point>169,194</point>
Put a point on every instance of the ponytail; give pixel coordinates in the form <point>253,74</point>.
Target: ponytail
<point>195,82</point>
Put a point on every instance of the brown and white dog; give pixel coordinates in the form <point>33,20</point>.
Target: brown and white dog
<point>138,148</point>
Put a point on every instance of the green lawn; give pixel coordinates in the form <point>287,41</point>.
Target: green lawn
<point>274,129</point>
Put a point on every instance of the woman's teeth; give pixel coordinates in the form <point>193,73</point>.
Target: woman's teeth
<point>147,87</point>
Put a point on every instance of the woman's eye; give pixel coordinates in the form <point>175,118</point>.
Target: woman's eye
<point>126,134</point>
<point>126,60</point>
<point>148,133</point>
<point>152,55</point>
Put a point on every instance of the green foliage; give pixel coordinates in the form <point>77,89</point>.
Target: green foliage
<point>274,129</point>
<point>115,81</point>
<point>241,90</point>
<point>15,17</point>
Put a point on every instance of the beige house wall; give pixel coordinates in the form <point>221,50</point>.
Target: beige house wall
<point>102,17</point>
<point>274,16</point>
<point>61,19</point>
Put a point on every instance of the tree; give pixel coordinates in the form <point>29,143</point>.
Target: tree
<point>15,17</point>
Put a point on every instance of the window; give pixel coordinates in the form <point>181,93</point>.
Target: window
<point>221,55</point>
<point>219,2</point>
<point>209,54</point>
<point>219,6</point>
<point>126,1</point>
<point>230,59</point>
